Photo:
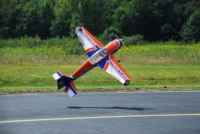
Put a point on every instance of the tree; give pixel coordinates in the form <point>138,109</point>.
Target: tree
<point>46,15</point>
<point>60,26</point>
<point>191,31</point>
<point>10,17</point>
<point>94,15</point>
<point>152,19</point>
<point>136,17</point>
<point>37,17</point>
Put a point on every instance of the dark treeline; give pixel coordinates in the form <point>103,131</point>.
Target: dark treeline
<point>152,20</point>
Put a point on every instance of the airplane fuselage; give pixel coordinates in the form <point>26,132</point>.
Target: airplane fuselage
<point>101,54</point>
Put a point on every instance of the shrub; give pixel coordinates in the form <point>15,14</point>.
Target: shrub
<point>167,31</point>
<point>132,40</point>
<point>110,34</point>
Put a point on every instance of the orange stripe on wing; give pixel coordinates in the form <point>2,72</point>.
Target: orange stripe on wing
<point>93,38</point>
<point>90,49</point>
<point>106,66</point>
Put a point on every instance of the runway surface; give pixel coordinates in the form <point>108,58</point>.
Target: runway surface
<point>97,113</point>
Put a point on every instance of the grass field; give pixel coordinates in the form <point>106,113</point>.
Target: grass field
<point>160,66</point>
<point>39,78</point>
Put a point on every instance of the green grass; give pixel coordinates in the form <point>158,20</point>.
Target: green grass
<point>38,78</point>
<point>27,65</point>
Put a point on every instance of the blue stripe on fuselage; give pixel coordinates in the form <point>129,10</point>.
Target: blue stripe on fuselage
<point>102,63</point>
<point>93,51</point>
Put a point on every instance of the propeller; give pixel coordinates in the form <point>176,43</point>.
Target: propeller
<point>116,36</point>
<point>121,40</point>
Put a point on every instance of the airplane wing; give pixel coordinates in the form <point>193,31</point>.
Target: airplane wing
<point>88,41</point>
<point>112,66</point>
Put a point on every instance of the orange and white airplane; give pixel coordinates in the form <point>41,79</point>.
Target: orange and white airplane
<point>98,56</point>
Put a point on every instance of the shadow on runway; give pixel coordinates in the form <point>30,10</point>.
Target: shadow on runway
<point>123,108</point>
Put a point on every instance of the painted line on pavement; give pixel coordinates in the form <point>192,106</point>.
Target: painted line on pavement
<point>98,117</point>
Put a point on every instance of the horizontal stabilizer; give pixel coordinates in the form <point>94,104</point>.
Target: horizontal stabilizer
<point>58,75</point>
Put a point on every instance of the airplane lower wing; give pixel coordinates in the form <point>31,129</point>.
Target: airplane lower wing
<point>112,66</point>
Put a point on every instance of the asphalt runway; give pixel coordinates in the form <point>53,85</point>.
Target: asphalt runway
<point>101,113</point>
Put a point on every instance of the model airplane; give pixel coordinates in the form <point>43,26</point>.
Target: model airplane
<point>98,56</point>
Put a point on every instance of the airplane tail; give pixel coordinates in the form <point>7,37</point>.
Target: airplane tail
<point>63,80</point>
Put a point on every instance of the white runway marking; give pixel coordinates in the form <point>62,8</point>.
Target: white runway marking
<point>99,117</point>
